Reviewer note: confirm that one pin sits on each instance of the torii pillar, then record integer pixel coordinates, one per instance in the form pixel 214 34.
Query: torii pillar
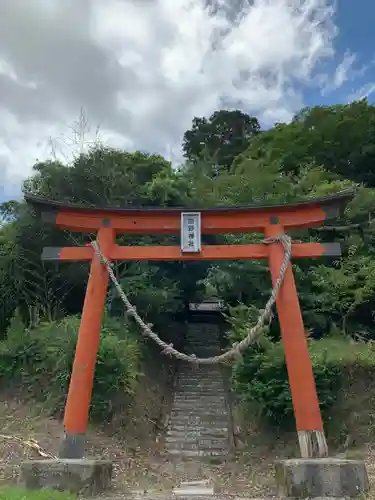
pixel 271 220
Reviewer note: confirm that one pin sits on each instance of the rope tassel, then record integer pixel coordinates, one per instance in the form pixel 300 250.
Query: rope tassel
pixel 235 353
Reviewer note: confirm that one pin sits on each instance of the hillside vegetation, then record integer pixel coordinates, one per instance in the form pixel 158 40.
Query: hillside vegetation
pixel 229 160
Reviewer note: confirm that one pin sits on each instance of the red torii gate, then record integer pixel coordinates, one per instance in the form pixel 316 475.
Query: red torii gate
pixel 272 220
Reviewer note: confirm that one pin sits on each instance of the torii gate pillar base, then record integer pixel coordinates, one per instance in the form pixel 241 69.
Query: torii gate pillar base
pixel 72 446
pixel 321 478
pixel 75 476
pixel 312 444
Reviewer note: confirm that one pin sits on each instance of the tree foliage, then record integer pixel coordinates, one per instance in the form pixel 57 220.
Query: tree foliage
pixel 340 138
pixel 220 138
pixel 229 161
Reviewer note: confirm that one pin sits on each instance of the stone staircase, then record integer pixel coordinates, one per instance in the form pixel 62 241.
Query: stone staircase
pixel 199 419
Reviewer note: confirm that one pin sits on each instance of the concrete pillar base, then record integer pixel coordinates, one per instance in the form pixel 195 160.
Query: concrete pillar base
pixel 321 477
pixel 73 475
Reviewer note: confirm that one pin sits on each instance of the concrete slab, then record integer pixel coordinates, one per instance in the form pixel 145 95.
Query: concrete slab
pixel 199 488
pixel 193 491
pixel 73 475
pixel 321 477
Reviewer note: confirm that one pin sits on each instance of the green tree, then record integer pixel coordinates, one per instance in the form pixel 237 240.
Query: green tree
pixel 220 138
pixel 339 138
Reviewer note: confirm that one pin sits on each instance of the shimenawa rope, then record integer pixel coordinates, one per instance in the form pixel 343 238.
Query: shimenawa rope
pixel 237 348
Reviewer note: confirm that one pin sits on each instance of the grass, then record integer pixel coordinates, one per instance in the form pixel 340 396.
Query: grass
pixel 342 350
pixel 9 493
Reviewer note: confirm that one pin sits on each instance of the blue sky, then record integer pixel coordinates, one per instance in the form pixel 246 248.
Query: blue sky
pixel 141 71
pixel 356 35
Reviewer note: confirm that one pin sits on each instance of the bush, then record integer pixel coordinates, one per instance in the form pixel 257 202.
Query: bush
pixel 41 360
pixel 261 380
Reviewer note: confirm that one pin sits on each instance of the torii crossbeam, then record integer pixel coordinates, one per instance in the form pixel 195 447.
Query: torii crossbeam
pixel 271 220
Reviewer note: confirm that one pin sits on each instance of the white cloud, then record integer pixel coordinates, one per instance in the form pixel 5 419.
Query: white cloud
pixel 363 92
pixel 346 71
pixel 144 69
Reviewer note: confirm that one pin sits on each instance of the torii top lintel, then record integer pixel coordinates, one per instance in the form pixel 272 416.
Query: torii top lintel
pixel 160 220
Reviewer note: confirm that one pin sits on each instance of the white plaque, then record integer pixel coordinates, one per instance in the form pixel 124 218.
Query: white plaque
pixel 190 232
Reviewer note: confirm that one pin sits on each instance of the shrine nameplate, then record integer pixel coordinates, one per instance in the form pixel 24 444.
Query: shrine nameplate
pixel 190 232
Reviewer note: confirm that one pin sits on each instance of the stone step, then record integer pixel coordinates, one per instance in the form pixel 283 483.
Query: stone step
pixel 203 389
pixel 197 413
pixel 197 428
pixel 200 384
pixel 205 399
pixel 202 394
pixel 200 390
pixel 183 396
pixel 188 489
pixel 209 398
pixel 198 408
pixel 210 380
pixel 214 382
pixel 200 489
pixel 199 403
pixel 200 421
pixel 193 433
pixel 194 382
pixel 198 453
pixel 193 447
pixel 200 443
pixel 217 379
pixel 198 418
pixel 201 374
pixel 201 440
pixel 189 427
